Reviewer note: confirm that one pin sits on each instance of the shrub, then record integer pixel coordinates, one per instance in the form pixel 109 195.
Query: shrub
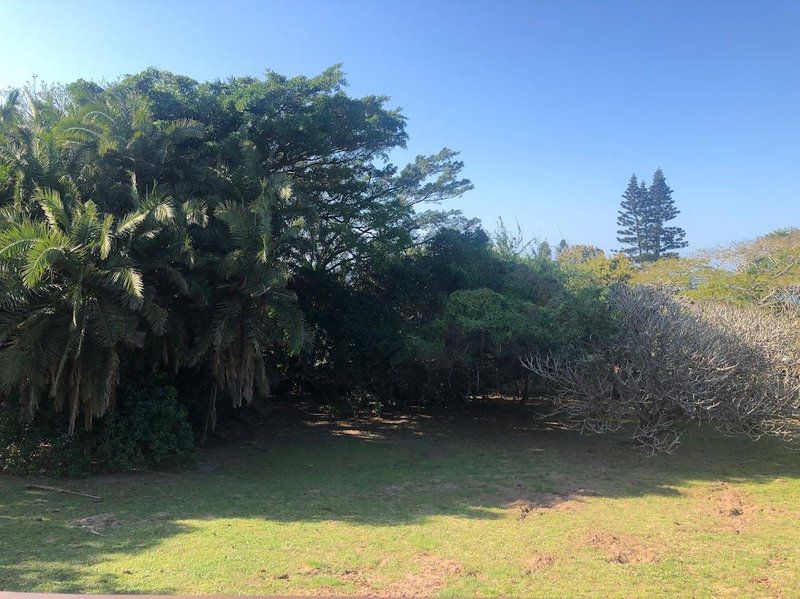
pixel 147 430
pixel 41 446
pixel 672 362
pixel 761 272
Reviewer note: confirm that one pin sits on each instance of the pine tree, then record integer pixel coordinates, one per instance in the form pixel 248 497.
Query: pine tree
pixel 633 221
pixel 662 207
pixel 642 218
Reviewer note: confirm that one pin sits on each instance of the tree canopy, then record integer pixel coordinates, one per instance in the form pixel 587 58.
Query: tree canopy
pixel 179 220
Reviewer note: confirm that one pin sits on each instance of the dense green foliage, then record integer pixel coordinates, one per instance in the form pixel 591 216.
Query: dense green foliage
pixel 489 307
pixel 246 237
pixel 446 321
pixel 149 429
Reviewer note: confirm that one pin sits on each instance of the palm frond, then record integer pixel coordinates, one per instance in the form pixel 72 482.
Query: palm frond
pixel 131 221
pixel 126 280
pixel 155 315
pixel 183 129
pixel 41 256
pixel 50 202
pixel 17 239
pixel 195 212
pixel 107 323
pixel 106 236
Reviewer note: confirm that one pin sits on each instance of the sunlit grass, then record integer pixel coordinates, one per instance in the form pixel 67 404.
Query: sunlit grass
pixel 483 506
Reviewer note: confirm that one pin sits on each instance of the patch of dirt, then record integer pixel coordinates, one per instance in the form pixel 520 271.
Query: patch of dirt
pixel 525 502
pixel 96 524
pixel 771 586
pixel 539 562
pixel 623 549
pixel 776 561
pixel 359 433
pixel 309 571
pixel 431 576
pixel 727 504
pixel 415 487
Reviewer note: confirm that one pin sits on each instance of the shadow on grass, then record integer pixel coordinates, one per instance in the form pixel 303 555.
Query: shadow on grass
pixel 376 472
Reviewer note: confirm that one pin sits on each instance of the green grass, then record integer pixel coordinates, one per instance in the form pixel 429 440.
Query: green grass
pixel 490 505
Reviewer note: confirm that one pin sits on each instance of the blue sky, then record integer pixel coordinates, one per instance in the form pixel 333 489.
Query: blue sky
pixel 552 104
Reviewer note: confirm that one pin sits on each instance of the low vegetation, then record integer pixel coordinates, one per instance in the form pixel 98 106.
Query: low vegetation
pixel 485 502
pixel 670 363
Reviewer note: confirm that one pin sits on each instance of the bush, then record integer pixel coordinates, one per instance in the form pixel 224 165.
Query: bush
pixel 762 272
pixel 41 446
pixel 672 362
pixel 147 430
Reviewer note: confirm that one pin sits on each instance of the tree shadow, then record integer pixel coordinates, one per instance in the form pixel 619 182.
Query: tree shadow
pixel 489 463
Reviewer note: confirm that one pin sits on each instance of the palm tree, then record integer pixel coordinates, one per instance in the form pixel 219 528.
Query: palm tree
pixel 156 261
pixel 29 154
pixel 70 298
pixel 249 310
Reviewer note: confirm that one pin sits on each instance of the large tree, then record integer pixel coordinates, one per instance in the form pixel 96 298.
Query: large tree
pixel 663 239
pixel 230 205
pixel 633 221
pixel 642 220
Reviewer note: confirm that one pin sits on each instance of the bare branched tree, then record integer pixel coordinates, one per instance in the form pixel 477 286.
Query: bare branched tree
pixel 672 362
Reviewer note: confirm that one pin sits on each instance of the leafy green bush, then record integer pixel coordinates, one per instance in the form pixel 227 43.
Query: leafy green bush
pixel 148 430
pixel 471 304
pixel 41 446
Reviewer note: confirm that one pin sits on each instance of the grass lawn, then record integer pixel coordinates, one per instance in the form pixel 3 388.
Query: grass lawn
pixel 489 505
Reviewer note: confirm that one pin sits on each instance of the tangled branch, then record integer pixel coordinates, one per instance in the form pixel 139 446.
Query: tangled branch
pixel 672 362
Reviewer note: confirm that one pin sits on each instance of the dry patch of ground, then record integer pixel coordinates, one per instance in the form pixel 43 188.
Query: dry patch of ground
pixel 728 506
pixel 427 575
pixel 728 502
pixel 430 575
pixel 539 562
pixel 771 587
pixel 523 501
pixel 623 549
pixel 358 432
pixel 96 524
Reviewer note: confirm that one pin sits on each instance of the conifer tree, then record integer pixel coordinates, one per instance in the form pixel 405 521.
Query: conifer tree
pixel 633 221
pixel 642 220
pixel 663 239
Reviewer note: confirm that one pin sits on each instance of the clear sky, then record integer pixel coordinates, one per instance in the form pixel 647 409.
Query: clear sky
pixel 553 104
